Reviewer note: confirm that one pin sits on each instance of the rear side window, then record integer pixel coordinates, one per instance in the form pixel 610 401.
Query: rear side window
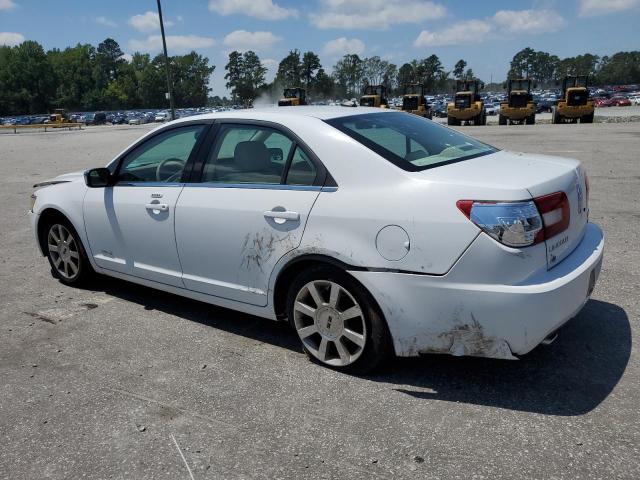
pixel 410 142
pixel 302 170
pixel 247 154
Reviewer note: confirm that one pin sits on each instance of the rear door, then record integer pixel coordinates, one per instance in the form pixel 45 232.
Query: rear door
pixel 248 207
pixel 130 225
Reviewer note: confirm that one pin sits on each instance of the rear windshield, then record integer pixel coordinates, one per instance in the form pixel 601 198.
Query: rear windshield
pixel 409 141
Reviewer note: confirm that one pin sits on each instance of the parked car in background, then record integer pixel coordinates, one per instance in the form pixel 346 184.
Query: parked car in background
pixel 492 108
pixel 369 230
pixel 161 117
pixel 620 101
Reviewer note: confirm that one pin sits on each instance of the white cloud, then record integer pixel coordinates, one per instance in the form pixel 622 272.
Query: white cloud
pixel 148 22
pixel 7 5
pixel 242 40
pixel 516 22
pixel 528 21
pixel 269 62
pixel 470 31
pixel 375 14
pixel 106 22
pixel 175 43
pixel 10 39
pixel 262 9
pixel 589 8
pixel 342 46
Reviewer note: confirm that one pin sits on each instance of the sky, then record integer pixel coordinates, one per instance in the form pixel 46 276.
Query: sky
pixel 485 33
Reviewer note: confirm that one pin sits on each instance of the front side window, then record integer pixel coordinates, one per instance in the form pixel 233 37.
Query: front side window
pixel 162 158
pixel 410 142
pixel 247 154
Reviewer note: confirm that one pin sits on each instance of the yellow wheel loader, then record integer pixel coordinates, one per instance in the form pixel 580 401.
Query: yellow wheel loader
pixel 467 106
pixel 59 115
pixel 293 97
pixel 575 103
pixel 374 96
pixel 519 107
pixel 414 101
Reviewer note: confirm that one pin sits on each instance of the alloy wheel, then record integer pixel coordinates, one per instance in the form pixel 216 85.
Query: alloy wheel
pixel 63 251
pixel 330 323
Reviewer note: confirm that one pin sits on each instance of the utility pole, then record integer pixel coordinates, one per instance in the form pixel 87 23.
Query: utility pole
pixel 166 63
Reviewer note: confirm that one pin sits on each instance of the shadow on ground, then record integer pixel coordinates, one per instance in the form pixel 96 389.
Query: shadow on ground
pixel 570 377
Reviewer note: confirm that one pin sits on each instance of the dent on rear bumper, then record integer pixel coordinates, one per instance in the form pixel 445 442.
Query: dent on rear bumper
pixel 446 314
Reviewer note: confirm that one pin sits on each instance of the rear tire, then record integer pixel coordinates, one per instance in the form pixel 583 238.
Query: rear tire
pixel 337 321
pixel 66 254
pixel 531 119
pixel 556 118
pixel 502 120
pixel 587 118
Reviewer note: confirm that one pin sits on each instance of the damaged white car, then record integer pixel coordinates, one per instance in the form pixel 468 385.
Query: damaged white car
pixel 372 232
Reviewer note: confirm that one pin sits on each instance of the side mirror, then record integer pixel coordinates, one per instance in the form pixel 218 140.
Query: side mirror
pixel 98 178
pixel 482 86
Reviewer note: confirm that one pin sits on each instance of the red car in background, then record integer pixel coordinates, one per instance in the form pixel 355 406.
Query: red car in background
pixel 619 101
pixel 615 101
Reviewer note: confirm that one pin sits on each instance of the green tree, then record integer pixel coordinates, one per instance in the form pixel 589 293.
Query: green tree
pixel 348 75
pixel 290 70
pixel 27 80
pixel 245 76
pixel 458 69
pixel 309 69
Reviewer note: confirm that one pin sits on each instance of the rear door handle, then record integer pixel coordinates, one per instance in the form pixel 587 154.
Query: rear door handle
pixel 163 207
pixel 281 217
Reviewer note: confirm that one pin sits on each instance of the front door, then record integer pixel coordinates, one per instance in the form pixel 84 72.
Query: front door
pixel 250 208
pixel 130 226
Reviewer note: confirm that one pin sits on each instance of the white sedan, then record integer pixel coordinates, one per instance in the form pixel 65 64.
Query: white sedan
pixel 373 232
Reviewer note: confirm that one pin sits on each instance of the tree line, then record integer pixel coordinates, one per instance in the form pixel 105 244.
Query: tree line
pixel 621 68
pixel 88 78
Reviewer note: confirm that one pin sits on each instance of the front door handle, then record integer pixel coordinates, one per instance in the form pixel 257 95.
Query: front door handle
pixel 162 207
pixel 282 216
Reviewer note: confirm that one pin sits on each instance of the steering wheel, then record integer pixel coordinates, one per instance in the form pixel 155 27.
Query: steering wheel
pixel 176 169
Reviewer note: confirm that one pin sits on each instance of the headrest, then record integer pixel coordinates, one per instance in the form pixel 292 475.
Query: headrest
pixel 252 156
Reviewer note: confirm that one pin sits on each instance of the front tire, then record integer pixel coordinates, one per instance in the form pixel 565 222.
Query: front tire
pixel 337 321
pixel 66 255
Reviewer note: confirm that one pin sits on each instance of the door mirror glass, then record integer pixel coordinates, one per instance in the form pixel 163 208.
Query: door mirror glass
pixel 97 178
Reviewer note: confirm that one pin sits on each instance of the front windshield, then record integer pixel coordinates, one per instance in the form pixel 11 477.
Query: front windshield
pixel 409 141
pixel 520 85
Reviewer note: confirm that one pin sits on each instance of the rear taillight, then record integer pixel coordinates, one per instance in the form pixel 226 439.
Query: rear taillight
pixel 515 224
pixel 519 224
pixel 554 209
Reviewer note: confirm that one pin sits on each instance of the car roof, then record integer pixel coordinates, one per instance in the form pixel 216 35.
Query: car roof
pixel 283 113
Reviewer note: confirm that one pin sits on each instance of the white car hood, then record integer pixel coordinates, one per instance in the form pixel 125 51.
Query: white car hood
pixel 64 178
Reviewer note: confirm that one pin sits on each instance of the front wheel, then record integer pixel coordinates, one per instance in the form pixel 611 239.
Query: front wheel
pixel 66 255
pixel 337 321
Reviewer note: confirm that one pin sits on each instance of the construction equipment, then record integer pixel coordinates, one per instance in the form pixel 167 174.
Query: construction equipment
pixel 293 97
pixel 414 101
pixel 467 106
pixel 374 96
pixel 519 107
pixel 59 115
pixel 575 103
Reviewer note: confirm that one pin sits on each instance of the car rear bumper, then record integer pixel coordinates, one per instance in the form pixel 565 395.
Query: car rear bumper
pixel 431 314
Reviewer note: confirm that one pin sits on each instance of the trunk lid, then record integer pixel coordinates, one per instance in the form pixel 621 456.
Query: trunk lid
pixel 510 176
